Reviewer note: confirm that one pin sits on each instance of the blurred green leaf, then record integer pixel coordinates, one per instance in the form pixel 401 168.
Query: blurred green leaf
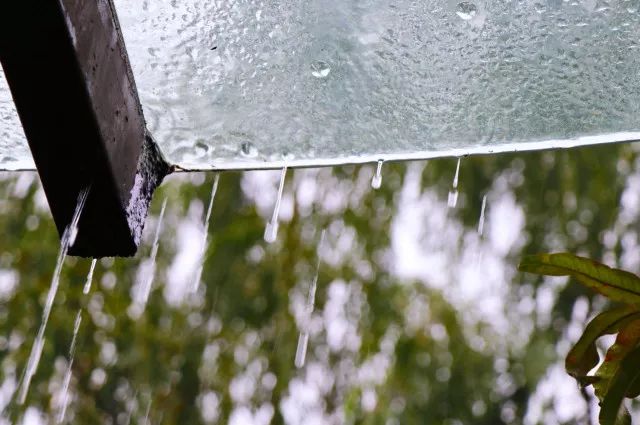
pixel 626 341
pixel 584 356
pixel 617 285
pixel 612 411
pixel 619 375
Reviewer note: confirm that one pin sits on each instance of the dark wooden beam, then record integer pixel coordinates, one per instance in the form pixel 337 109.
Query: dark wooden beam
pixel 70 77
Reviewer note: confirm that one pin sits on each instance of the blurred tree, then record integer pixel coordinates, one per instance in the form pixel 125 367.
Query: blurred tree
pixel 383 348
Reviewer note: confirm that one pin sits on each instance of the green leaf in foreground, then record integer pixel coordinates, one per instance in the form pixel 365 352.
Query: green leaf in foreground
pixel 627 373
pixel 584 356
pixel 619 375
pixel 617 285
pixel 626 342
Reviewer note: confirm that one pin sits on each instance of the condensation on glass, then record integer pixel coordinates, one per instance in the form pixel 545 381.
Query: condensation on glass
pixel 253 84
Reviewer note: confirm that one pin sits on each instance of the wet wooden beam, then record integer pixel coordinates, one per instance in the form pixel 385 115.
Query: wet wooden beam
pixel 70 77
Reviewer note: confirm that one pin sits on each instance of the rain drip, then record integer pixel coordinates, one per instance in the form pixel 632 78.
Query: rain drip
pixel 376 181
pixel 205 234
pixel 453 193
pixel 68 237
pixel 303 338
pixel 67 376
pixel 481 221
pixel 146 415
pixel 87 284
pixel 146 289
pixel 271 230
pixel 131 407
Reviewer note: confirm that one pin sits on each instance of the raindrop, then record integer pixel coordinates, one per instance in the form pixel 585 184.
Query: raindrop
pixel 67 376
pixel 376 181
pixel 38 343
pixel 87 284
pixel 146 289
pixel 205 232
pixel 453 193
pixel 320 69
pixel 481 221
pixel 303 338
pixel 466 10
pixel 271 230
pixel 201 149
pixel 248 150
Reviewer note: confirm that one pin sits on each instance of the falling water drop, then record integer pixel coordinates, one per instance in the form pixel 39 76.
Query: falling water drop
pixel 146 289
pixel 453 193
pixel 481 221
pixel 455 178
pixel 87 284
pixel 303 338
pixel 67 376
pixel 466 10
pixel 376 181
pixel 320 69
pixel 271 230
pixel 146 415
pixel 205 232
pixel 38 343
pixel 132 405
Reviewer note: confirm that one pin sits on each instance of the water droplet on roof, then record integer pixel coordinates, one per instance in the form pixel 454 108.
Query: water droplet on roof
pixel 320 69
pixel 466 10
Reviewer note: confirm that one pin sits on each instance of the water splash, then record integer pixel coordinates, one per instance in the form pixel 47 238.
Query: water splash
pixel 481 221
pixel 453 193
pixel 303 338
pixel 205 234
pixel 87 284
pixel 271 230
pixel 68 237
pixel 146 289
pixel 67 375
pixel 376 181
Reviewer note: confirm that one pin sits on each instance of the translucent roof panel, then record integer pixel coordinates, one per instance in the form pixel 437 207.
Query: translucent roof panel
pixel 252 83
pixel 14 151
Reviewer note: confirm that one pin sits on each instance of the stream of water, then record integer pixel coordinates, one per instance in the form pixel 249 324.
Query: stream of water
pixel 67 240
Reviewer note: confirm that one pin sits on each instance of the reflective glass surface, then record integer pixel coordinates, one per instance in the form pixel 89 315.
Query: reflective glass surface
pixel 252 83
pixel 14 151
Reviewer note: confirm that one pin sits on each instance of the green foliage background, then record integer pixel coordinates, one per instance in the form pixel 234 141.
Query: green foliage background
pixel 241 321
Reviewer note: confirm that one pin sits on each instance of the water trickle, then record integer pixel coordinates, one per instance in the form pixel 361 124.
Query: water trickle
pixel 376 181
pixel 146 289
pixel 132 405
pixel 481 221
pixel 271 230
pixel 146 415
pixel 67 375
pixel 320 69
pixel 466 10
pixel 65 242
pixel 303 338
pixel 453 193
pixel 205 233
pixel 87 284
